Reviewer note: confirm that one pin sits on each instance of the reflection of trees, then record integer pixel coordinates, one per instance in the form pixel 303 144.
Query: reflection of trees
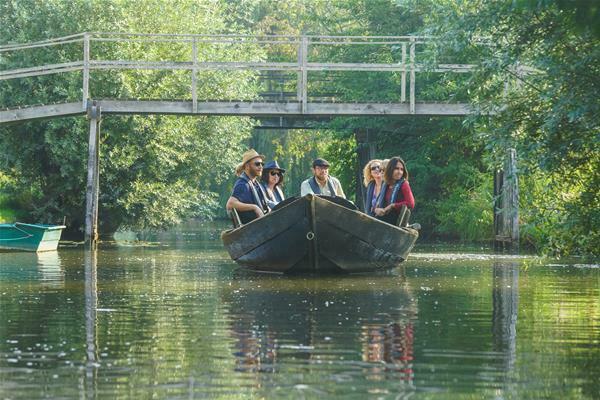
pixel 279 323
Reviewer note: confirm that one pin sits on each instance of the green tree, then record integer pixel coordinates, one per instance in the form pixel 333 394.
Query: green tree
pixel 155 171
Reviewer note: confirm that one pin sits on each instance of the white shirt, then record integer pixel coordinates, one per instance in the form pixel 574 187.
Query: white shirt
pixel 306 189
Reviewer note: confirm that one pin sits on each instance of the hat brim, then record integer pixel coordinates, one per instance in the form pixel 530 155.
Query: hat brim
pixel 275 169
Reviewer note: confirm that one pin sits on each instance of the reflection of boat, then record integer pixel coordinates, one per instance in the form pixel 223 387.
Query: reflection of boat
pixel 30 237
pixel 277 321
pixel 318 234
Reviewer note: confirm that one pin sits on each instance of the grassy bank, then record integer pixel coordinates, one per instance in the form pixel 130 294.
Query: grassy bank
pixel 7 211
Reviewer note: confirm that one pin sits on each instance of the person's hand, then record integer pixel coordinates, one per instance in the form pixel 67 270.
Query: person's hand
pixel 257 210
pixel 380 212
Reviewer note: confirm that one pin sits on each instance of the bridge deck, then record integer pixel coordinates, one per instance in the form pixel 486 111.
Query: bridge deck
pixel 241 108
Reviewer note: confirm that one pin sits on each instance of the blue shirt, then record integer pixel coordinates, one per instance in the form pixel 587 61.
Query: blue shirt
pixel 242 191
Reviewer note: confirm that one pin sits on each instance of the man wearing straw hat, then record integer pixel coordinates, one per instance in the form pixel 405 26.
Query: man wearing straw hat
pixel 248 197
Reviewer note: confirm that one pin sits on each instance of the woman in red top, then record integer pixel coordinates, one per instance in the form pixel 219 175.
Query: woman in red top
pixel 395 193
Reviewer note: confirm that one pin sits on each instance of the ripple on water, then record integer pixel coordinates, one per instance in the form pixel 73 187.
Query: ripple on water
pixel 181 321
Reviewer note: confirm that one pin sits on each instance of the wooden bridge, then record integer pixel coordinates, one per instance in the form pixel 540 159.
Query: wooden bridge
pixel 304 59
pixel 401 50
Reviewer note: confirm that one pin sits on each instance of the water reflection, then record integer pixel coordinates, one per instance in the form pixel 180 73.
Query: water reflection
pixel 91 306
pixel 390 345
pixel 290 324
pixel 505 294
pixel 44 267
pixel 170 322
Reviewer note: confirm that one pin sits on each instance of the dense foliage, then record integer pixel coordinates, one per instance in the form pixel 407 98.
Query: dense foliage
pixel 536 89
pixel 538 77
pixel 155 171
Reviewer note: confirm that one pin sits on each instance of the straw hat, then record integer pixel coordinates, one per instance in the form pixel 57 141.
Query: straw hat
pixel 248 156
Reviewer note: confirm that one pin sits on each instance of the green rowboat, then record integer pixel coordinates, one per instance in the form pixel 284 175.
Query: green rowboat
pixel 29 237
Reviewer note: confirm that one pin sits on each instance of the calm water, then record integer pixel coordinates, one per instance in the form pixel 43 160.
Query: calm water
pixel 179 320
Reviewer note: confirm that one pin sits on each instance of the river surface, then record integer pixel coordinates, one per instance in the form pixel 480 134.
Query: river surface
pixel 177 319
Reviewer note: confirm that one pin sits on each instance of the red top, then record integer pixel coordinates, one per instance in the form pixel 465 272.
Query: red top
pixel 406 199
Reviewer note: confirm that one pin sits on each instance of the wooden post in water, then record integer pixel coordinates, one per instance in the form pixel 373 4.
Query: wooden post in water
pixel 92 189
pixel 511 198
pixel 365 151
pixel 506 204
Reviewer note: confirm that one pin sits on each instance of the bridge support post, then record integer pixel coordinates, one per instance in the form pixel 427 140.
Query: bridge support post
pixel 506 204
pixel 365 151
pixel 302 86
pixel 412 76
pixel 93 175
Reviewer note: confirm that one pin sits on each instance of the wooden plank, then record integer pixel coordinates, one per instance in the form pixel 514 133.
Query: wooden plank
pixel 86 69
pixel 299 83
pixel 275 66
pixel 41 70
pixel 37 112
pixel 186 65
pixel 313 239
pixel 249 108
pixel 304 74
pixel 47 42
pixel 259 108
pixel 195 76
pixel 5 49
pixel 265 229
pixel 403 83
pixel 412 77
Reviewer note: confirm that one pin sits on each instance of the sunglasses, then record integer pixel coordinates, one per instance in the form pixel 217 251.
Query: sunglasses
pixel 259 164
pixel 376 168
pixel 273 173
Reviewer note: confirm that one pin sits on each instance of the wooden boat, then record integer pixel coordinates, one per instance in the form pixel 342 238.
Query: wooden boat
pixel 29 237
pixel 318 234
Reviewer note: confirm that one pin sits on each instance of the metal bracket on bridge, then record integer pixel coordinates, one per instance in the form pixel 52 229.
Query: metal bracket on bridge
pixel 93 109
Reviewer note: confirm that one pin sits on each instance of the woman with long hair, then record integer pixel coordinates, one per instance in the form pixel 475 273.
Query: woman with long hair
pixel 272 180
pixel 395 192
pixel 372 179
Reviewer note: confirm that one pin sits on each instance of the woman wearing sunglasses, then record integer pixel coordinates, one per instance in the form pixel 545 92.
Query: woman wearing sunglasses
pixel 272 180
pixel 372 178
pixel 395 192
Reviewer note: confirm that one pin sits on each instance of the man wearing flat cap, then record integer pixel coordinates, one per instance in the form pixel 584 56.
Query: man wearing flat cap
pixel 321 183
pixel 248 196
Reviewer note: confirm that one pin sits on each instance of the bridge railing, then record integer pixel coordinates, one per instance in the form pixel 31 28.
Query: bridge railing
pixel 297 55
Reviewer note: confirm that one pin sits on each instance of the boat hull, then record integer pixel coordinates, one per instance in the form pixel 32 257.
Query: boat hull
pixel 30 237
pixel 313 234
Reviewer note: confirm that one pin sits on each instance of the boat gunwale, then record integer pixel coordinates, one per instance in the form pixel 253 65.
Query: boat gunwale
pixel 45 227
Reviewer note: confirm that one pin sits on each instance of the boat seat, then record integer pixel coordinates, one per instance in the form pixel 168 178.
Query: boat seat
pixel 235 218
pixel 403 217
